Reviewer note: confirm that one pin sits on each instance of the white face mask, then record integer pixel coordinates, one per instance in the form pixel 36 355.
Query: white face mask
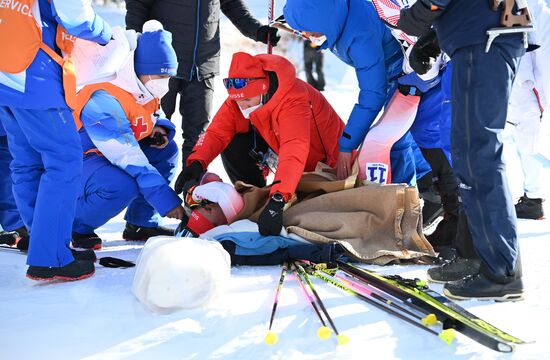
pixel 318 41
pixel 248 111
pixel 157 87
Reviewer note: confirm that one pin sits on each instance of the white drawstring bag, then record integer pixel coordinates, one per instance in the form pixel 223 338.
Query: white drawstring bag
pixel 180 273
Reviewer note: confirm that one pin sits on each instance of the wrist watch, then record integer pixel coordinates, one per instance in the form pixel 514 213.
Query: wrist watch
pixel 278 197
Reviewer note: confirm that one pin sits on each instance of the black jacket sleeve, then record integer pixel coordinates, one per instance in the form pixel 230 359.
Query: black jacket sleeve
pixel 241 17
pixel 137 13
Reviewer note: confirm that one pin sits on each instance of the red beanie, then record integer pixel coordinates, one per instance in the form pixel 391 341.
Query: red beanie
pixel 244 65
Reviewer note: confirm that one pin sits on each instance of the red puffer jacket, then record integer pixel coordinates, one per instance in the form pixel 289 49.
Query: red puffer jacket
pixel 297 123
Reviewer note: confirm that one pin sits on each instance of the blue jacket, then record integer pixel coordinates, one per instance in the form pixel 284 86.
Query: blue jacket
pixel 465 22
pixel 357 36
pixel 41 86
pixel 106 128
pixel 2 131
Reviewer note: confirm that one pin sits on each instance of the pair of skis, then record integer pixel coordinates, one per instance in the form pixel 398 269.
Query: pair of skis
pixel 313 298
pixel 452 316
pixel 408 300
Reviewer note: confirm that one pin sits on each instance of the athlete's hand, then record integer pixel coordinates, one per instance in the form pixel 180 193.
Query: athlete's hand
pixel 176 213
pixel 343 165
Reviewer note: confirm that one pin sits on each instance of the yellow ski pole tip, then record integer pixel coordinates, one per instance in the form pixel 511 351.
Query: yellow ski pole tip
pixel 429 320
pixel 343 339
pixel 271 338
pixel 324 332
pixel 448 335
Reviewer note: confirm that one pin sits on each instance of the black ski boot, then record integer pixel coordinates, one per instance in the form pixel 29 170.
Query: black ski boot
pixel 18 238
pixel 527 208
pixel 76 270
pixel 481 287
pixel 141 233
pixel 84 255
pixel 8 238
pixel 456 269
pixel 86 241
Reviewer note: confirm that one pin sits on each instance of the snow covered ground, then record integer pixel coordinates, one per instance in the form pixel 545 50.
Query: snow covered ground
pixel 99 318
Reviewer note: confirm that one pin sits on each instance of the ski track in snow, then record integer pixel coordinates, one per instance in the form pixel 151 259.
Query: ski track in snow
pixel 99 318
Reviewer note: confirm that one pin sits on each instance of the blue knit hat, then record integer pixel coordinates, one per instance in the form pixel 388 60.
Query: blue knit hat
pixel 154 54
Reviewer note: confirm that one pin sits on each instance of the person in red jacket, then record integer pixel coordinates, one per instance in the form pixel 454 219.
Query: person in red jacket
pixel 271 121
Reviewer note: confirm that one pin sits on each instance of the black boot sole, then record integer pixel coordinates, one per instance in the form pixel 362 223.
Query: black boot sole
pixel 508 297
pixel 59 277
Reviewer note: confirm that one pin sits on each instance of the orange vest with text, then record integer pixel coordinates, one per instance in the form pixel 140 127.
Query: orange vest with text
pixel 139 116
pixel 21 39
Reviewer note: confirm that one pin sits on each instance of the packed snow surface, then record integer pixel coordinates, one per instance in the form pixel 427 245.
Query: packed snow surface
pixel 99 318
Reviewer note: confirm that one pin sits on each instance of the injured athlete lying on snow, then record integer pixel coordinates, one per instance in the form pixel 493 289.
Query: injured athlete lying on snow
pixel 370 223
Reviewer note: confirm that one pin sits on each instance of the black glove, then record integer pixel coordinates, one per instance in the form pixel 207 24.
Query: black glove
pixel 418 19
pixel 271 218
pixel 190 176
pixel 263 32
pixel 425 49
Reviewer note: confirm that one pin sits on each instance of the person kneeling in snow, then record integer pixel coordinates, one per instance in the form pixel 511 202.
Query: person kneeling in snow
pixel 129 154
pixel 270 121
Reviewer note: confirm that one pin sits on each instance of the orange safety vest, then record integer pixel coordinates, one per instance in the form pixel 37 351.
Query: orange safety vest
pixel 21 38
pixel 139 116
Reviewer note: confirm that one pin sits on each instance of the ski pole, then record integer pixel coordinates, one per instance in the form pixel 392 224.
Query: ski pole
pixel 324 332
pixel 270 9
pixel 342 339
pixel 271 338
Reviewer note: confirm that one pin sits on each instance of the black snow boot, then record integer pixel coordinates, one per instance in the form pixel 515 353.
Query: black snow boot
pixel 141 233
pixel 86 241
pixel 456 269
pixel 481 287
pixel 527 208
pixel 84 255
pixel 18 238
pixel 76 270
pixel 8 238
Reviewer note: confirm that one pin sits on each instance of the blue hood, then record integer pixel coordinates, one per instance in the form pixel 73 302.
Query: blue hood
pixel 323 16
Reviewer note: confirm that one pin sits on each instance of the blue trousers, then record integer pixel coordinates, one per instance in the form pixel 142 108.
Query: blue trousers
pixel 402 161
pixel 481 85
pixel 9 215
pixel 106 190
pixel 46 171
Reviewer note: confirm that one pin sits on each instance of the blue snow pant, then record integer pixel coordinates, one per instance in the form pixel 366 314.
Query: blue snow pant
pixel 107 189
pixel 9 215
pixel 46 171
pixel 481 85
pixel 402 161
pixel 432 125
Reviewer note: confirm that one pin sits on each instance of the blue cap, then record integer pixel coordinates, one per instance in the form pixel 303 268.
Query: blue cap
pixel 154 53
